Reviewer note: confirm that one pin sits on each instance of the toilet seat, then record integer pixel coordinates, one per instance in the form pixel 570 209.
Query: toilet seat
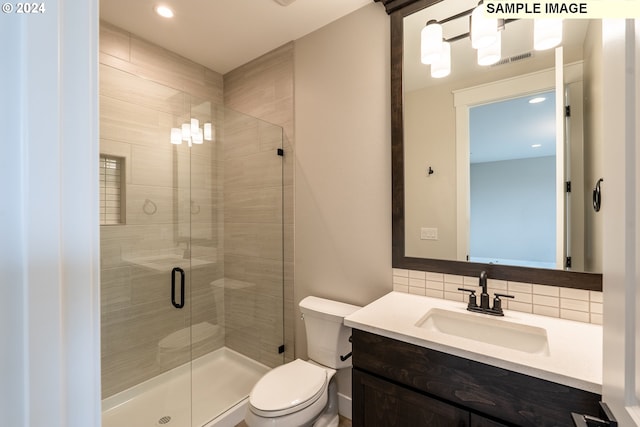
pixel 288 388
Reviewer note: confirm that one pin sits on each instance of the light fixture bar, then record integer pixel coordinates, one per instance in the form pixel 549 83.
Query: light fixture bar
pixel 501 24
pixel 456 16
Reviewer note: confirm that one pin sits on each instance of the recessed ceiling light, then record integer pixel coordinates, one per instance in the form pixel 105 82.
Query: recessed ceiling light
pixel 536 145
pixel 164 11
pixel 537 100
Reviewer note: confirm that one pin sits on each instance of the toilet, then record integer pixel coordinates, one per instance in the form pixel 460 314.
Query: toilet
pixel 304 393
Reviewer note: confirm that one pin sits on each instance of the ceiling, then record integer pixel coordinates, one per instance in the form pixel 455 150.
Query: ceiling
pixel 513 129
pixel 224 34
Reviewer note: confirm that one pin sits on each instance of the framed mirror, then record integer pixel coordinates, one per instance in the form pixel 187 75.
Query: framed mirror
pixel 444 178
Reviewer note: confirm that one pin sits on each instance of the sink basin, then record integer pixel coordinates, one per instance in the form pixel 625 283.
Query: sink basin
pixel 481 328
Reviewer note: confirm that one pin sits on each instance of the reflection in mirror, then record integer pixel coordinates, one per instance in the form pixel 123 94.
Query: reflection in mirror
pixel 449 215
pixel 512 203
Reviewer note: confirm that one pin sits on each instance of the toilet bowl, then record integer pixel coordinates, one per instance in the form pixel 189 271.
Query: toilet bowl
pixel 304 393
pixel 294 394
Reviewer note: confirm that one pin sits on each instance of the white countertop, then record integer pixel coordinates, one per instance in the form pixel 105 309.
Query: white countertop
pixel 575 348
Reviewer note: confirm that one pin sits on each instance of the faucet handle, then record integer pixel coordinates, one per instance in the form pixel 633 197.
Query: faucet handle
pixel 497 302
pixel 472 297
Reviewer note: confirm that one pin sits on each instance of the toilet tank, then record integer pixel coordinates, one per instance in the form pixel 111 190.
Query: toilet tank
pixel 327 337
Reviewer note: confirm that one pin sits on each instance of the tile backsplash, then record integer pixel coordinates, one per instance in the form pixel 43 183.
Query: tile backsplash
pixel 553 301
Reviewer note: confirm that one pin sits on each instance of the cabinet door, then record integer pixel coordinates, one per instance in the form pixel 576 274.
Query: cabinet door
pixel 379 403
pixel 480 421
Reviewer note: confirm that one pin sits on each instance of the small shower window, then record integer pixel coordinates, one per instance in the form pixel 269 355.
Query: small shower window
pixel 111 190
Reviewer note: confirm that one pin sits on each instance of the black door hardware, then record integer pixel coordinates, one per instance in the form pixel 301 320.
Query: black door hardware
pixel 175 303
pixel 597 196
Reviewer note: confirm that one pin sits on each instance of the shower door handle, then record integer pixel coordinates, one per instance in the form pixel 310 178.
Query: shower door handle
pixel 175 303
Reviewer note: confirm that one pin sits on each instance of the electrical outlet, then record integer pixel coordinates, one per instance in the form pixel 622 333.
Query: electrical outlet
pixel 428 233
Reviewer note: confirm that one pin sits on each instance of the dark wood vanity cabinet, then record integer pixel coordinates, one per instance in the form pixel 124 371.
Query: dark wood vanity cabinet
pixel 400 384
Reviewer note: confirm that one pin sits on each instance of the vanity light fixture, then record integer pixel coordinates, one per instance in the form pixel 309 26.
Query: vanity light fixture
pixel 431 42
pixel 486 37
pixel 484 31
pixel 164 11
pixel 547 33
pixel 192 133
pixel 442 67
pixel 491 54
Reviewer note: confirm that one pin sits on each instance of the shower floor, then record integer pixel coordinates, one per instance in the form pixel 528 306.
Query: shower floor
pixel 190 395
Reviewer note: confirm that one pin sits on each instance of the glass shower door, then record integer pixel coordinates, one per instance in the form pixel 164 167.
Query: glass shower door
pixel 145 254
pixel 193 264
pixel 236 226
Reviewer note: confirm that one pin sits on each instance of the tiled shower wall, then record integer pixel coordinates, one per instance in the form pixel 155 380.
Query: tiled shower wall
pixel 253 242
pixel 144 91
pixel 263 88
pixel 565 303
pixel 243 254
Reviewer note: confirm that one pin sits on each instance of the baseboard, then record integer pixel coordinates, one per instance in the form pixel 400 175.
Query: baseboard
pixel 344 405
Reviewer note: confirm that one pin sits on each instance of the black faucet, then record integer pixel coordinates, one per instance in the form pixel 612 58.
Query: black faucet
pixel 496 310
pixel 484 296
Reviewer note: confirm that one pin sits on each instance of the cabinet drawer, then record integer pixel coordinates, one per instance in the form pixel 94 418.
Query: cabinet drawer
pixel 501 394
pixel 379 403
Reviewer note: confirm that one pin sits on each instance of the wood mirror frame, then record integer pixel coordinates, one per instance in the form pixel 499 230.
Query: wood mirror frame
pixel 398 10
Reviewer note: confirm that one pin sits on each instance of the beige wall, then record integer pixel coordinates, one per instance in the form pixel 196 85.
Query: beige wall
pixel 343 162
pixel 430 121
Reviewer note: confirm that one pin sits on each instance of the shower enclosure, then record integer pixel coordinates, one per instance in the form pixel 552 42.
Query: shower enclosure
pixel 191 253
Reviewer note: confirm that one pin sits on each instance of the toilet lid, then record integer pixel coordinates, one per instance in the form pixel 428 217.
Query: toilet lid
pixel 289 387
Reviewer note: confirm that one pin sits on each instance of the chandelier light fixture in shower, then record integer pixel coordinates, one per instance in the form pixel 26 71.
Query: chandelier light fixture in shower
pixel 192 133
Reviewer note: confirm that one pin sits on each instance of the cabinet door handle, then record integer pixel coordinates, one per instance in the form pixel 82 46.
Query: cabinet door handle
pixel 175 303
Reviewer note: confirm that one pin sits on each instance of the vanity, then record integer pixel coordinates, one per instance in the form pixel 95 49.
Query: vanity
pixel 420 361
